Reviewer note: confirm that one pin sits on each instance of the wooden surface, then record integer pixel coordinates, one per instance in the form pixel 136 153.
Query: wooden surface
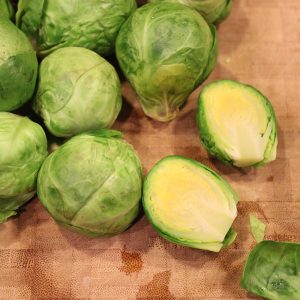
pixel 259 44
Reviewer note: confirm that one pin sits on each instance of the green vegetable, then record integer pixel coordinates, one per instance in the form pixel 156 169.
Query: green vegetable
pixel 23 148
pixel 273 271
pixel 237 124
pixel 189 204
pixel 6 9
pixel 166 50
pixel 92 24
pixel 92 183
pixel 214 11
pixel 258 228
pixel 18 67
pixel 77 91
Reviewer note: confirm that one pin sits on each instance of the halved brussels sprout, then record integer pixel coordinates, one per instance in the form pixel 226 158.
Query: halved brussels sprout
pixel 18 67
pixel 214 11
pixel 92 24
pixel 237 124
pixel 6 9
pixel 165 50
pixel 92 183
pixel 189 204
pixel 78 90
pixel 23 148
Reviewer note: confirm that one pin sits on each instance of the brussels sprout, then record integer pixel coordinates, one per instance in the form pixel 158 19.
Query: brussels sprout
pixel 6 9
pixel 92 24
pixel 189 204
pixel 214 11
pixel 272 271
pixel 18 67
pixel 23 148
pixel 165 51
pixel 92 183
pixel 237 124
pixel 77 90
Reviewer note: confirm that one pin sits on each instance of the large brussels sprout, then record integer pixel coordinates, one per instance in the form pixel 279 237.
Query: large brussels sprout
pixel 23 148
pixel 92 183
pixel 92 24
pixel 165 51
pixel 77 90
pixel 189 204
pixel 6 9
pixel 18 67
pixel 214 11
pixel 237 124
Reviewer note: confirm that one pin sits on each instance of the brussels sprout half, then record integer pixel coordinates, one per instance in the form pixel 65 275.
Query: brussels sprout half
pixel 165 50
pixel 78 90
pixel 92 183
pixel 18 67
pixel 237 124
pixel 23 148
pixel 6 9
pixel 189 204
pixel 214 11
pixel 92 24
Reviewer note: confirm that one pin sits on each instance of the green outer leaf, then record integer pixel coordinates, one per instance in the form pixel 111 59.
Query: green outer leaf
pixel 257 228
pixel 55 24
pixel 6 214
pixel 92 183
pixel 212 56
pixel 23 148
pixel 68 76
pixel 211 246
pixel 6 9
pixel 210 142
pixel 165 51
pixel 29 17
pixel 272 271
pixel 214 11
pixel 225 13
pixel 229 238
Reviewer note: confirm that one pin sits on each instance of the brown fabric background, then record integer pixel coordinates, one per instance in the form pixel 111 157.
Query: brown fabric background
pixel 259 44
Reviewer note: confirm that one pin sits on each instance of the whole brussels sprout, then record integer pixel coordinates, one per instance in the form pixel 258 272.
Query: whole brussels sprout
pixel 165 50
pixel 18 67
pixel 214 11
pixel 77 91
pixel 189 204
pixel 237 124
pixel 6 9
pixel 92 183
pixel 92 24
pixel 23 148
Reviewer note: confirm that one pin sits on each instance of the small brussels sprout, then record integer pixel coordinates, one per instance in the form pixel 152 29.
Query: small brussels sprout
pixel 165 50
pixel 214 11
pixel 18 67
pixel 77 91
pixel 189 204
pixel 237 124
pixel 92 24
pixel 23 148
pixel 6 9
pixel 92 183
